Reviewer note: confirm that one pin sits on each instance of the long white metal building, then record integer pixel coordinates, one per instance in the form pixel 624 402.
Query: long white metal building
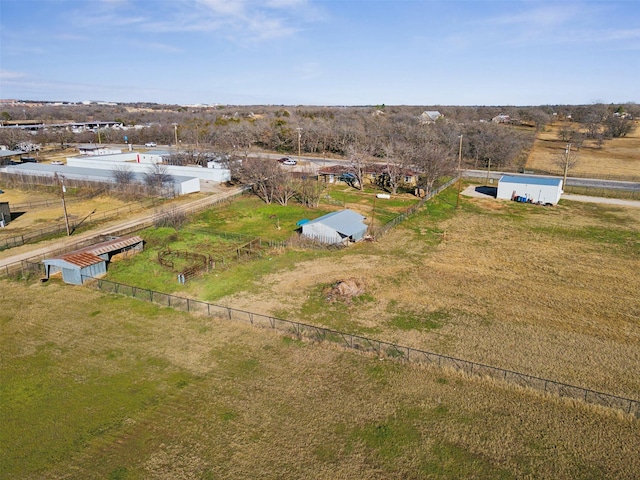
pixel 182 184
pixel 544 190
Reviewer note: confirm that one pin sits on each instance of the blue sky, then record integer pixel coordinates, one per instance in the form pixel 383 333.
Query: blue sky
pixel 341 52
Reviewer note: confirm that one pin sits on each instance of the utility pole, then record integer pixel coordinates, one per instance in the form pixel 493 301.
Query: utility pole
pixel 175 131
pixel 488 171
pixel 64 205
pixel 98 130
pixel 299 129
pixel 567 154
pixel 373 216
pixel 459 172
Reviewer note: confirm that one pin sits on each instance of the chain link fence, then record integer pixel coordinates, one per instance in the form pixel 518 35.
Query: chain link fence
pixel 380 348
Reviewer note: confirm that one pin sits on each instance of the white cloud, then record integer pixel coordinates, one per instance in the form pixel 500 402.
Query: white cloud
pixel 540 17
pixel 9 75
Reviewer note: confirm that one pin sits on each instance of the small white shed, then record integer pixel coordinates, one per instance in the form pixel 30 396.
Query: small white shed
pixel 544 190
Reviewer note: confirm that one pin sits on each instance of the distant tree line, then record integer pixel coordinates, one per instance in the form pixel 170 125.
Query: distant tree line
pixel 398 137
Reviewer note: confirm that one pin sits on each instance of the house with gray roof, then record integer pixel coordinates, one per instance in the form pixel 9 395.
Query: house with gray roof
pixel 430 116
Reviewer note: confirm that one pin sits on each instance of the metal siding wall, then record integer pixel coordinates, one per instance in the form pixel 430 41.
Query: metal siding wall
pixel 321 232
pixel 72 276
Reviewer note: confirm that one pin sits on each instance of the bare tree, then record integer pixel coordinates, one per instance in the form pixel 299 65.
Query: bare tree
pixel 616 126
pixel 284 187
pixel 567 133
pixel 240 138
pixel 358 161
pixel 123 176
pixel 494 145
pixel 262 175
pixel 434 161
pixel 309 191
pixel 157 178
pixel 400 154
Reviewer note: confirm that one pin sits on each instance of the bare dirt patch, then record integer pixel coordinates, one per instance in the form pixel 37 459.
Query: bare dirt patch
pixel 345 290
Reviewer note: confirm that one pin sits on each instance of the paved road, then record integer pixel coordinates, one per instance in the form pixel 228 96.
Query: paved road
pixel 571 181
pixel 37 252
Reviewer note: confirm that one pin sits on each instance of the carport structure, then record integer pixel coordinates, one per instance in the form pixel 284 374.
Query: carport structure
pixel 91 261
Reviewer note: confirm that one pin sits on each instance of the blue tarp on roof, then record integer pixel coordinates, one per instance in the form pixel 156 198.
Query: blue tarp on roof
pixel 552 182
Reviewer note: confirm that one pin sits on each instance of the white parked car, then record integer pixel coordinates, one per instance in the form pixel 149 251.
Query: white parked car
pixel 150 144
pixel 289 161
pixel 57 162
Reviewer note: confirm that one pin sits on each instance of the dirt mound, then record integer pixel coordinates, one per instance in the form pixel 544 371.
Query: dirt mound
pixel 345 290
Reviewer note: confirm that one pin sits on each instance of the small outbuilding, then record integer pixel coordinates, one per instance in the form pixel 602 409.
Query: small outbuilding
pixel 336 227
pixel 89 262
pixel 542 190
pixel 5 214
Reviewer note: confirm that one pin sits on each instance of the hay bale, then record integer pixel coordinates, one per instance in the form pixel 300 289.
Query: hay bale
pixel 346 290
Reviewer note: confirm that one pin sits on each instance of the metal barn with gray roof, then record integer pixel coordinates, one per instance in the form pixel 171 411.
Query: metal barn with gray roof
pixel 336 227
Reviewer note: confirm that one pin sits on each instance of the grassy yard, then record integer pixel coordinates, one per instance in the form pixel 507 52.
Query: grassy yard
pixel 99 386
pixel 551 292
pixel 241 221
pixel 114 388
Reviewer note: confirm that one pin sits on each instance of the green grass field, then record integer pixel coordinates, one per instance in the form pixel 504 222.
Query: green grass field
pixel 110 387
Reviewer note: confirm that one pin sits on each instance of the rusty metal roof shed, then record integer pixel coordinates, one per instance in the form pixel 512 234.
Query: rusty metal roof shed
pixel 89 261
pixel 81 259
pixel 111 245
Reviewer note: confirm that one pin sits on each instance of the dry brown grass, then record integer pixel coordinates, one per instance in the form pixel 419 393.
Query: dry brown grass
pixel 39 217
pixel 619 157
pixel 512 286
pixel 258 405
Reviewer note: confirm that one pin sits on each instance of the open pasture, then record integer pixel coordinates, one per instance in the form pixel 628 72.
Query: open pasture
pixel 110 387
pixel 618 158
pixel 547 291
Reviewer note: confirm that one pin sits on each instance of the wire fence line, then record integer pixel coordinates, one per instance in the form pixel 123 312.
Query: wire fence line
pixel 60 228
pixel 29 265
pixel 381 348
pixel 351 341
pixel 380 231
